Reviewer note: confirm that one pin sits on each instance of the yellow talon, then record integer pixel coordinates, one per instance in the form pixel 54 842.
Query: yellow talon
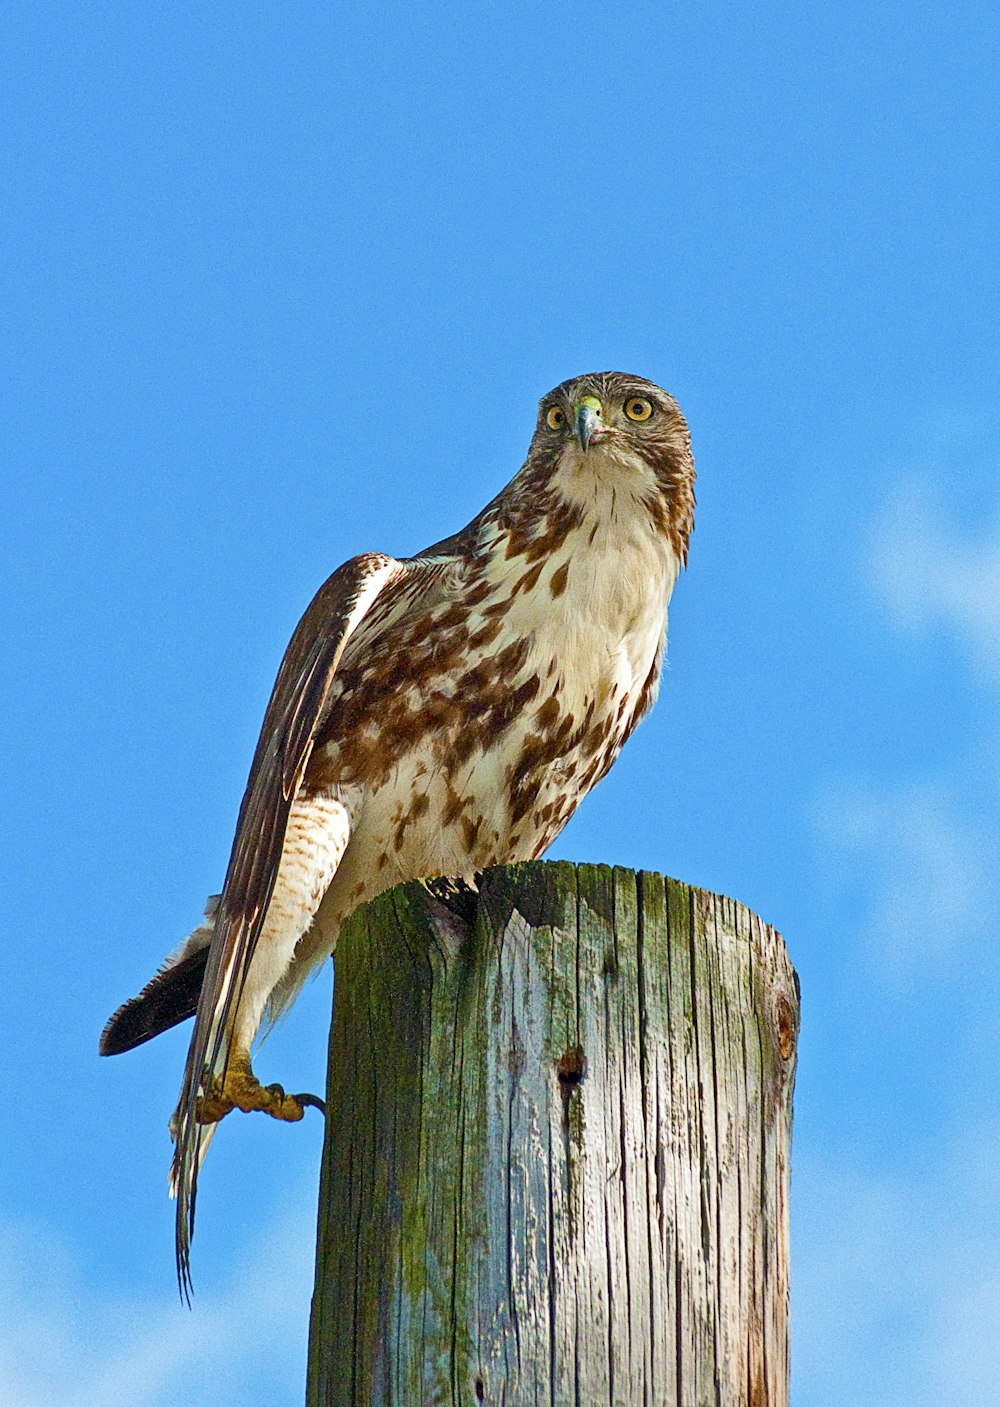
pixel 279 1104
pixel 240 1089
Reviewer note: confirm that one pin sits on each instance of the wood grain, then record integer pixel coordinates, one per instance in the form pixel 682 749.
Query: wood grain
pixel 557 1149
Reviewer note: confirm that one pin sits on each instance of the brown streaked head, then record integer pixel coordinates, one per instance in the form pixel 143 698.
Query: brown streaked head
pixel 616 421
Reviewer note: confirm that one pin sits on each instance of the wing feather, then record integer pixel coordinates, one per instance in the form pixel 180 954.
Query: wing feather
pixel 282 754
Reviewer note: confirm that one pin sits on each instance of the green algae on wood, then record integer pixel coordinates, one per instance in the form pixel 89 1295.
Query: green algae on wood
pixel 557 1148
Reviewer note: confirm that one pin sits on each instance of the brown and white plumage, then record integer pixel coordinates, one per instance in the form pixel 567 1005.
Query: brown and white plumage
pixel 434 715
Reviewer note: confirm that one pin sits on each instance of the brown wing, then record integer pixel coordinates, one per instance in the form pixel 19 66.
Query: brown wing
pixel 283 750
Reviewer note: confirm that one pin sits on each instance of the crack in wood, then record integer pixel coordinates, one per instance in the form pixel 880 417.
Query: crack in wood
pixel 556 1159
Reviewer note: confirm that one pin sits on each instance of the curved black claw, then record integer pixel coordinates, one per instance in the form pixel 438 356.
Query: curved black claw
pixel 311 1101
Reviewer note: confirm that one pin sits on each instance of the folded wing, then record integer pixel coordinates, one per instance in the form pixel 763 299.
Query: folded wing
pixel 283 750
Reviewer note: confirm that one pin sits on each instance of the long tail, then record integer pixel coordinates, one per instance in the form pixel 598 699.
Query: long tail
pixel 168 998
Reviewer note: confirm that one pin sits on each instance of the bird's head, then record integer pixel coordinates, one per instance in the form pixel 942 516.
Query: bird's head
pixel 624 417
pixel 610 429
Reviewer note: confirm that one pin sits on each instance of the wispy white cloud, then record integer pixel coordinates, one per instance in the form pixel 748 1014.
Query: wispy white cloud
pixel 924 851
pixel 62 1344
pixel 928 874
pixel 931 575
pixel 896 1289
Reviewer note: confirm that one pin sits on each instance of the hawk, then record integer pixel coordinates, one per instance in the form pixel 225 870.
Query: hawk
pixel 431 716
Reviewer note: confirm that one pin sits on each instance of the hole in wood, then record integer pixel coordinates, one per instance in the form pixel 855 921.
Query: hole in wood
pixel 480 1390
pixel 571 1068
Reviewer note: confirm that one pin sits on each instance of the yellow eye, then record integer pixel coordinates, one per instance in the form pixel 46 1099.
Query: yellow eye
pixel 638 409
pixel 554 418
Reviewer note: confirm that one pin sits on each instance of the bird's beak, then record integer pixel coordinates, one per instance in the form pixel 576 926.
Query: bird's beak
pixel 588 419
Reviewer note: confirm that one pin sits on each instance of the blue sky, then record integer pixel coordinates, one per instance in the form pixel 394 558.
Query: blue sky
pixel 284 283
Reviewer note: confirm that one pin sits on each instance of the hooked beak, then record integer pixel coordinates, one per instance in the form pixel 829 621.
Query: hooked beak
pixel 588 421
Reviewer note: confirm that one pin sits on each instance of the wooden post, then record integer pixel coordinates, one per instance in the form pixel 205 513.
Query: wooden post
pixel 557 1148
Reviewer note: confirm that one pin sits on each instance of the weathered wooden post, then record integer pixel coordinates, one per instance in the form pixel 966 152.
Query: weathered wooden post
pixel 556 1161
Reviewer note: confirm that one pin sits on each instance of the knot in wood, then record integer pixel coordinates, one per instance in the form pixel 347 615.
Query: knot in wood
pixel 571 1068
pixel 785 1021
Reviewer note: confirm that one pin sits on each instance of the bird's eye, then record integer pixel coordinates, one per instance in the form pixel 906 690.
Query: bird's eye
pixel 555 419
pixel 638 409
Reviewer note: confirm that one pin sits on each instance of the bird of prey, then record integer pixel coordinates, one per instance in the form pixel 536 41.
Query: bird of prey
pixel 432 715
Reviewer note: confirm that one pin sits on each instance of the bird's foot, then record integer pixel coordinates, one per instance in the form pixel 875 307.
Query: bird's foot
pixel 240 1089
pixel 213 1105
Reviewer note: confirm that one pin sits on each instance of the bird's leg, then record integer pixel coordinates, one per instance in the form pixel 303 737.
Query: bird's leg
pixel 239 1088
pixel 211 1106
